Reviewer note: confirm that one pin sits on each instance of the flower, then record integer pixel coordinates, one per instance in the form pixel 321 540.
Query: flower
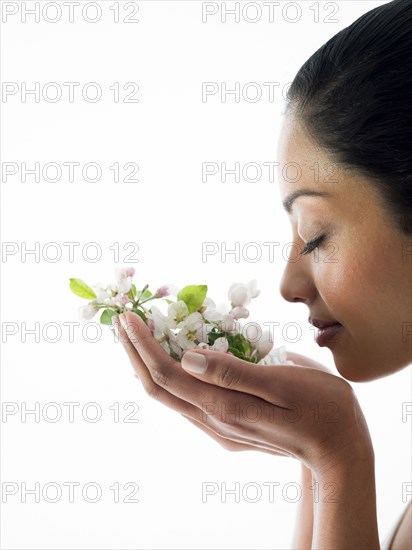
pixel 121 300
pixel 277 356
pixel 210 312
pixel 87 312
pixel 177 313
pixel 228 324
pixel 241 295
pixel 203 345
pixel 167 290
pixel 221 344
pixel 162 291
pixel 239 312
pixel 265 343
pixel 158 323
pixel 103 292
pixel 192 328
pixel 124 278
pixel 192 320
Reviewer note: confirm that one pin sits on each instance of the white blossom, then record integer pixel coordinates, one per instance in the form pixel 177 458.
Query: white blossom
pixel 193 330
pixel 241 295
pixel 265 343
pixel 87 312
pixel 177 313
pixel 239 312
pixel 277 356
pixel 124 276
pixel 221 344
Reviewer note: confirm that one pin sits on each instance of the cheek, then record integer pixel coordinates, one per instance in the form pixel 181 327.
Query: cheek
pixel 356 284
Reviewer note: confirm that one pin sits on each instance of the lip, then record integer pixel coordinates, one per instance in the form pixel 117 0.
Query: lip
pixel 318 323
pixel 327 334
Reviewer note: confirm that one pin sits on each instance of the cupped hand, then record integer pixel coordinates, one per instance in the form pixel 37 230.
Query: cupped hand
pixel 299 411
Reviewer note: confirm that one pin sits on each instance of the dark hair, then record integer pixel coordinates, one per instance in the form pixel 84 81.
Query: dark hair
pixel 354 98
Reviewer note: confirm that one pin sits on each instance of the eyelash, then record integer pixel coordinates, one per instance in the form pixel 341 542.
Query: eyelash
pixel 310 246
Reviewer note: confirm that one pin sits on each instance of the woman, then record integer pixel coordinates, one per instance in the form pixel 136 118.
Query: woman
pixel 348 125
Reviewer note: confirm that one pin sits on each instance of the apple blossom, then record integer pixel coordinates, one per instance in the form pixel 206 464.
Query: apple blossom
pixel 87 312
pixel 264 343
pixel 241 295
pixel 124 278
pixel 162 292
pixel 191 321
pixel 239 312
pixel 192 328
pixel 221 344
pixel 177 313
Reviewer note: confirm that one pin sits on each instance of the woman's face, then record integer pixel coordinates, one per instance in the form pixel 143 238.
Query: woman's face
pixel 361 274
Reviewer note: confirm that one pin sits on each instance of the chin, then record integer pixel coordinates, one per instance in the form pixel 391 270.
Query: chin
pixel 368 368
pixel 357 370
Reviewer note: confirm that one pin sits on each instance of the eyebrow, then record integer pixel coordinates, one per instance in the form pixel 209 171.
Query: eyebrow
pixel 288 202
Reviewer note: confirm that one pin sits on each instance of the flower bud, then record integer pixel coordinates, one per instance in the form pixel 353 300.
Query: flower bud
pixel 87 312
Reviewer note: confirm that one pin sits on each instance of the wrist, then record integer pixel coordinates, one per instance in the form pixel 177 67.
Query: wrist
pixel 345 506
pixel 351 457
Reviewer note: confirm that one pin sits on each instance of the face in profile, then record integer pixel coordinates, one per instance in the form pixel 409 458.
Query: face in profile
pixel 360 274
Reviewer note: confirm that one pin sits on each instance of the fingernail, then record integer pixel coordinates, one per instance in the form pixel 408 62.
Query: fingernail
pixel 115 323
pixel 123 321
pixel 194 362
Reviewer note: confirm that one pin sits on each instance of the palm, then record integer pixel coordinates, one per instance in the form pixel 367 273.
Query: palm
pixel 235 446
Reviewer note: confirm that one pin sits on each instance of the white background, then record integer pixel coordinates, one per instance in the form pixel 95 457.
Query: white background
pixel 169 213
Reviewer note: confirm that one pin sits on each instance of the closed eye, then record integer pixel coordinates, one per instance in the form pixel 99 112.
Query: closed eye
pixel 311 245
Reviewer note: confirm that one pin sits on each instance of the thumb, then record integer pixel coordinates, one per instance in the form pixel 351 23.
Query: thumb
pixel 273 383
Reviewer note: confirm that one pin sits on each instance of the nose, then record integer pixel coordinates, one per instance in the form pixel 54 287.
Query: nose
pixel 297 284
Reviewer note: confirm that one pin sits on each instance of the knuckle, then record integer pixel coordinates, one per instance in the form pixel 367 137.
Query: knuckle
pixel 159 377
pixel 229 445
pixel 232 419
pixel 220 431
pixel 228 376
pixel 153 390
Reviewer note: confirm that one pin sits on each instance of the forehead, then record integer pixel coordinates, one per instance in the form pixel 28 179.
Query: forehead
pixel 295 148
pixel 305 165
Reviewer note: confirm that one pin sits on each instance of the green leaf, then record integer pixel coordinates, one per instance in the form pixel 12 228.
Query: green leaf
pixel 240 355
pixel 240 342
pixel 106 316
pixel 79 287
pixel 236 352
pixel 133 291
pixel 213 336
pixel 146 294
pixel 193 296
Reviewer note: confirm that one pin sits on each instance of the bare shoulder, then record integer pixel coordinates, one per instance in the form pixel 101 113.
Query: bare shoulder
pixel 402 539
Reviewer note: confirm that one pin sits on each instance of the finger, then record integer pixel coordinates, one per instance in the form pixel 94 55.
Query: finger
pixel 227 412
pixel 227 418
pixel 164 370
pixel 276 384
pixel 150 386
pixel 232 445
